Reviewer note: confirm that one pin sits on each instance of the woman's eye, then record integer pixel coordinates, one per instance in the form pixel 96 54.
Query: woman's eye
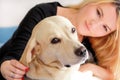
pixel 98 13
pixel 105 28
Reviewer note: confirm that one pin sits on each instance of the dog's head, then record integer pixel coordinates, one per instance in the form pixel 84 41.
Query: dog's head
pixel 54 41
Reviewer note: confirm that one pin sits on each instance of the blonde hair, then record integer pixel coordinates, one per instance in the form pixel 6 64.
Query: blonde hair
pixel 116 67
pixel 107 48
pixel 85 2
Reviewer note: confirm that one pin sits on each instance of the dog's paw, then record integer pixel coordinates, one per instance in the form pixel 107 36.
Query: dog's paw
pixel 88 75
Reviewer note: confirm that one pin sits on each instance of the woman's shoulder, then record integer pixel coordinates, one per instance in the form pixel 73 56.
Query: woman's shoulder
pixel 48 6
pixel 46 9
pixel 39 12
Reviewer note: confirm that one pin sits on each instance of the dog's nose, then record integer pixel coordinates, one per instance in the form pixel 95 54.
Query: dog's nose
pixel 80 51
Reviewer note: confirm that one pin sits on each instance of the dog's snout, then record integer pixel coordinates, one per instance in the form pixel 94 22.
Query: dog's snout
pixel 80 51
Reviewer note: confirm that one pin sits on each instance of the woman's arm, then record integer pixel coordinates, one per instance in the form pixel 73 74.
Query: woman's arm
pixel 98 71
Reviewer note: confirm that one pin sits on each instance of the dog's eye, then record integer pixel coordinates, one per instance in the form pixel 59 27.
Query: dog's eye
pixel 55 40
pixel 73 30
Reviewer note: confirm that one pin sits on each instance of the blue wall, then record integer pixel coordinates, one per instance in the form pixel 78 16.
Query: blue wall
pixel 6 33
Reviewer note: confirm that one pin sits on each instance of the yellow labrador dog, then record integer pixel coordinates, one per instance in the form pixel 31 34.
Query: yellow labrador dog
pixel 53 52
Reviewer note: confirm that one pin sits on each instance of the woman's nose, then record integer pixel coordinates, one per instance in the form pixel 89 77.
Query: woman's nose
pixel 95 23
pixel 92 22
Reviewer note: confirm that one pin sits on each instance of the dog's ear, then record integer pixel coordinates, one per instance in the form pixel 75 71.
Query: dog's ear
pixel 32 48
pixel 35 50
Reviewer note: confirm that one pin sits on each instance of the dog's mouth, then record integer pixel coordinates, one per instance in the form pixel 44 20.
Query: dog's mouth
pixel 82 61
pixel 67 65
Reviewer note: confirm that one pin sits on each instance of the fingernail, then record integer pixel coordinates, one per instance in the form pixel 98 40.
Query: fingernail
pixel 22 78
pixel 26 70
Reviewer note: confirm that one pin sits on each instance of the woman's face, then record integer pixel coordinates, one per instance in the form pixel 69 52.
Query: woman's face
pixel 96 19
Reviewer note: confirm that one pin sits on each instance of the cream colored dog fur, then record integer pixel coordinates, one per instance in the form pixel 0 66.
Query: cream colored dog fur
pixel 54 52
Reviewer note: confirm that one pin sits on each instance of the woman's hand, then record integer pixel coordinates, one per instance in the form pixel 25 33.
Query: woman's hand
pixel 98 71
pixel 13 70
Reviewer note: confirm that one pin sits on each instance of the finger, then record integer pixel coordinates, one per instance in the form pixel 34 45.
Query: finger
pixel 9 78
pixel 19 79
pixel 15 76
pixel 18 65
pixel 12 78
pixel 17 71
pixel 7 71
pixel 11 74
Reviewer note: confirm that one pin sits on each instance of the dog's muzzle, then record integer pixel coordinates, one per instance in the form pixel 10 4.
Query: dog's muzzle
pixel 81 53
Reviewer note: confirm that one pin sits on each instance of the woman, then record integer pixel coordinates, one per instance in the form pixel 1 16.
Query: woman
pixel 105 49
pixel 92 18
